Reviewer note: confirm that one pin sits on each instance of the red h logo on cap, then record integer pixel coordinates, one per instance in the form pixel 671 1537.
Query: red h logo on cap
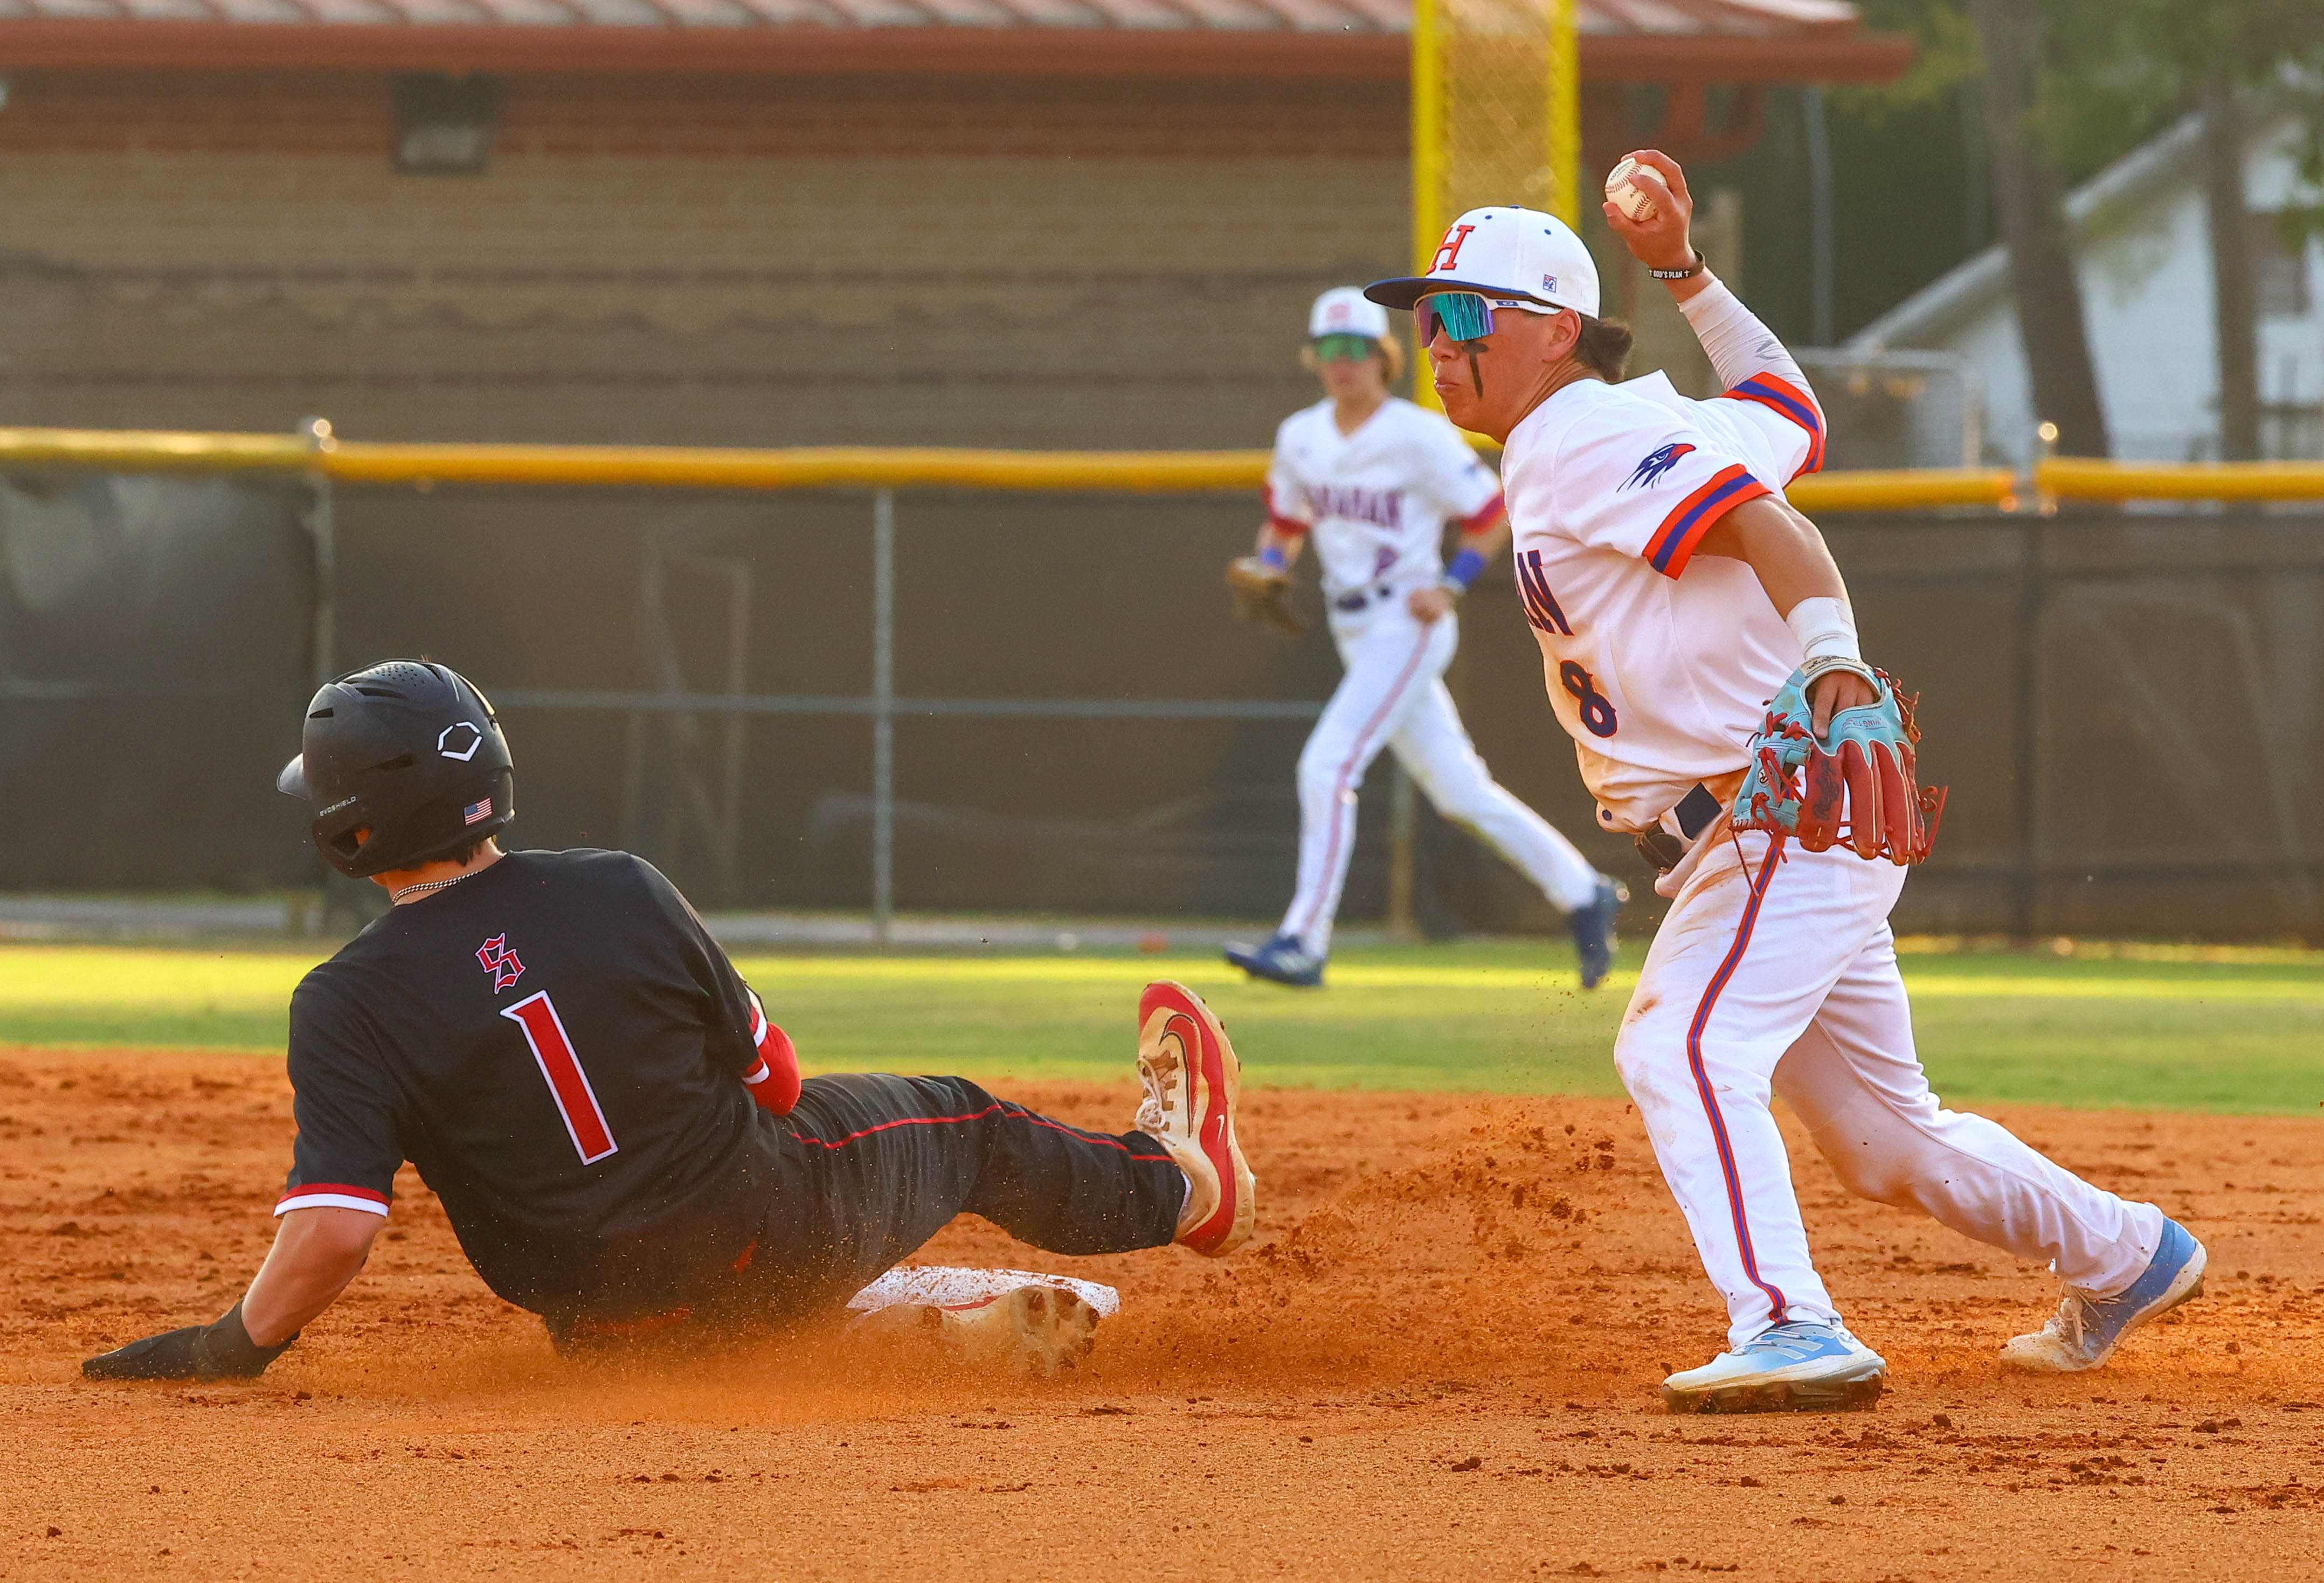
pixel 1448 252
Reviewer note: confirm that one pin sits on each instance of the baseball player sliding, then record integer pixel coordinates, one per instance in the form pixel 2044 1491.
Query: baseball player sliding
pixel 1699 647
pixel 619 1136
pixel 1372 480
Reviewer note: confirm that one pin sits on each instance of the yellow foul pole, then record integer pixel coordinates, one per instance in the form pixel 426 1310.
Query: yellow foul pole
pixel 1565 113
pixel 1428 217
pixel 1427 134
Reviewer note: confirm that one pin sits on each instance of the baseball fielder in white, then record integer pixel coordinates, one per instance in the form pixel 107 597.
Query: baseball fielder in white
pixel 1372 479
pixel 1674 592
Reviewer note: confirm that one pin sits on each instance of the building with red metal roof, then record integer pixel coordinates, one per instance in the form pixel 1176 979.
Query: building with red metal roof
pixel 1002 222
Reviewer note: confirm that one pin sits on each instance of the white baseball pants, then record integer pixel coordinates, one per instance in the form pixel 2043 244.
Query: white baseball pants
pixel 1393 695
pixel 1775 970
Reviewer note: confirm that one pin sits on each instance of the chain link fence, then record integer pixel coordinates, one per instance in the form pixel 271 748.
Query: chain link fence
pixel 2129 707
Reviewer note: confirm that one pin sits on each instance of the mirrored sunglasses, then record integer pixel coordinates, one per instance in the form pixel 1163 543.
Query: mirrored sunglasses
pixel 1346 348
pixel 1463 316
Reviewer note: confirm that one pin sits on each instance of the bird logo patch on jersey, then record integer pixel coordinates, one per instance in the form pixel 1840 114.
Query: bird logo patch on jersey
pixel 500 961
pixel 1656 463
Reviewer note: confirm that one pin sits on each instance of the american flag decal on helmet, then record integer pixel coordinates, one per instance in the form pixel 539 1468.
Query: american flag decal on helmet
pixel 476 811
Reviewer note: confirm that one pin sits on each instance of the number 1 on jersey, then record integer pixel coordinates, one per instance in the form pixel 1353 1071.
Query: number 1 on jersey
pixel 569 1085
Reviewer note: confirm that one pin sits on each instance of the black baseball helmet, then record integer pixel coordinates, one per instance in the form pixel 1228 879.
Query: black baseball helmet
pixel 403 761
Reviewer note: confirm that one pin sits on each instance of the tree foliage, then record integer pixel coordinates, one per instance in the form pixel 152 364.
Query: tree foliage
pixel 2123 69
pixel 2116 72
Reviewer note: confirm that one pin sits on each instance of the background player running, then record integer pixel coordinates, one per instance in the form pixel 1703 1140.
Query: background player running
pixel 1673 594
pixel 1372 479
pixel 618 1136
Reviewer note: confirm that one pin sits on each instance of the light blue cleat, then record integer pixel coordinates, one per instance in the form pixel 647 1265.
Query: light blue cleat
pixel 1594 931
pixel 2084 1330
pixel 1802 1367
pixel 1282 961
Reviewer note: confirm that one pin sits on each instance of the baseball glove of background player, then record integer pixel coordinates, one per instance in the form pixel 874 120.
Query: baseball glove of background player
pixel 1262 593
pixel 1861 775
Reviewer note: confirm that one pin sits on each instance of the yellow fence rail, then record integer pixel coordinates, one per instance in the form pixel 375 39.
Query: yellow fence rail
pixel 808 467
pixel 1905 489
pixel 1148 471
pixel 2072 478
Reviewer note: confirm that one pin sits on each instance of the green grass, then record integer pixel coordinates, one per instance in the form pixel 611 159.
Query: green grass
pixel 2222 1031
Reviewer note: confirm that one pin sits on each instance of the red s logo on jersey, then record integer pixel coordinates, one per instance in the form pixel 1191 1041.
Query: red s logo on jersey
pixel 500 961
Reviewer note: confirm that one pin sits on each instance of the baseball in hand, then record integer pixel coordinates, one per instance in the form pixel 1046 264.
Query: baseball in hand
pixel 1628 195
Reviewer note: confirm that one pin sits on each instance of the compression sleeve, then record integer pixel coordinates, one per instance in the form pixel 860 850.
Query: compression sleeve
pixel 1756 367
pixel 774 1079
pixel 1737 344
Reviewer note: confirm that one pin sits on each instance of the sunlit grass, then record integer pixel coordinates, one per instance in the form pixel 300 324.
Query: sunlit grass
pixel 2200 1029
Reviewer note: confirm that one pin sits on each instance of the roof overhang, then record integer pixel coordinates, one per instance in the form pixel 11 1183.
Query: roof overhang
pixel 120 44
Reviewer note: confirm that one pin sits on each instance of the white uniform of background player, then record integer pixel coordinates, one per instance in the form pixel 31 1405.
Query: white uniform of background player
pixel 1374 502
pixel 1774 971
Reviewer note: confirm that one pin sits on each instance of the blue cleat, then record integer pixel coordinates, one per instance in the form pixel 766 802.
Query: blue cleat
pixel 1802 1367
pixel 1594 931
pixel 1282 961
pixel 2086 1329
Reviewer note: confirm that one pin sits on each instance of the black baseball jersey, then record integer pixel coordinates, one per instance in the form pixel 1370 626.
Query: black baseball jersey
pixel 557 1045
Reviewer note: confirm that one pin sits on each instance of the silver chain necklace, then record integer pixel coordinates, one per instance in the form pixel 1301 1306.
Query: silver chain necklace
pixel 395 895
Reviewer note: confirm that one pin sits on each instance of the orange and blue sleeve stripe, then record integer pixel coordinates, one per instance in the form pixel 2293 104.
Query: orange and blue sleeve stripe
pixel 1673 542
pixel 1780 395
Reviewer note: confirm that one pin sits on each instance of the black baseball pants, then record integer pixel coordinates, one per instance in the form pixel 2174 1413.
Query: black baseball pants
pixel 871 1166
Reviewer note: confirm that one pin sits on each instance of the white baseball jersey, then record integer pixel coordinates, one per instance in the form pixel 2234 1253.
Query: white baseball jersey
pixel 1659 678
pixel 1765 976
pixel 1376 500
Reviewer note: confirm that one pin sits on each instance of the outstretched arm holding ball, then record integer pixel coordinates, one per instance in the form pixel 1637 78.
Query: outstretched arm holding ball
pixel 1648 205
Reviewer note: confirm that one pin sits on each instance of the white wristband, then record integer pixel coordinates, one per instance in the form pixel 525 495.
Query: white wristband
pixel 1826 628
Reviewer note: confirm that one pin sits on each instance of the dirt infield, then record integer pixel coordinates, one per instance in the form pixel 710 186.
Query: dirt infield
pixel 1438 1361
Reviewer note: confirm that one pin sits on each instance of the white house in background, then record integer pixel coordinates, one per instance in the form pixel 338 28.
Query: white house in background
pixel 2143 250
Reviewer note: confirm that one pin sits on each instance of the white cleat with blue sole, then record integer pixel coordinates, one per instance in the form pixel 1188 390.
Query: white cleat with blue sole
pixel 1801 1366
pixel 2084 1330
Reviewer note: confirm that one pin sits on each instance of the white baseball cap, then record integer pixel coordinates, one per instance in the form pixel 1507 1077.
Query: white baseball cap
pixel 1519 253
pixel 1343 310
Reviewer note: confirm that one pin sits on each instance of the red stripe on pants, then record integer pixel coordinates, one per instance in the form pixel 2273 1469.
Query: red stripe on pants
pixel 1702 1080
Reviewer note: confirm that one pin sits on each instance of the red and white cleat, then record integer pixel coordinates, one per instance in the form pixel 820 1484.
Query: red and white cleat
pixel 1192 1079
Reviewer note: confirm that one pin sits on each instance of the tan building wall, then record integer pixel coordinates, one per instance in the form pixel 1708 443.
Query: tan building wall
pixel 812 262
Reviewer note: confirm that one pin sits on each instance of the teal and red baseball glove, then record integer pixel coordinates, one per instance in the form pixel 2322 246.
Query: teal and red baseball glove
pixel 1859 776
